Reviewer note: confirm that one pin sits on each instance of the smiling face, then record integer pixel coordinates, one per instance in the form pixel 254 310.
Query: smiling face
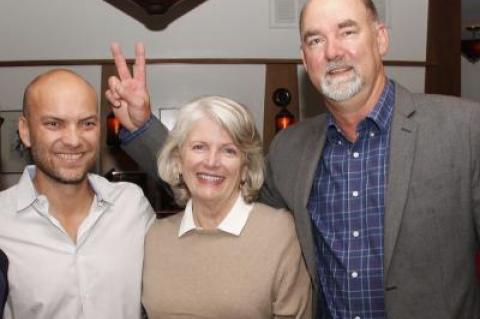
pixel 211 165
pixel 342 48
pixel 61 127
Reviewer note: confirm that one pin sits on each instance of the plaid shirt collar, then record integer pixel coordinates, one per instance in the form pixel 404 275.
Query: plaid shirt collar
pixel 380 116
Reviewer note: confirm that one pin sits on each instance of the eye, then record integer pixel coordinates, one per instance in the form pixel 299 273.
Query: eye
pixel 52 124
pixel 89 124
pixel 230 150
pixel 348 32
pixel 198 147
pixel 314 42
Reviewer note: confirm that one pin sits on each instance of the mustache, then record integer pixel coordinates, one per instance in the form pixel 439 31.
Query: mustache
pixel 337 65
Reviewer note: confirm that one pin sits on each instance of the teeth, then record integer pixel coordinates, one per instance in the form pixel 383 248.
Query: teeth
pixel 71 157
pixel 210 178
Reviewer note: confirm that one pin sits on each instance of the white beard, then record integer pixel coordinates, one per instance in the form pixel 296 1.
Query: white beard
pixel 341 88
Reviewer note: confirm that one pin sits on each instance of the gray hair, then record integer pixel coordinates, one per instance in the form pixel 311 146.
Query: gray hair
pixel 369 5
pixel 238 123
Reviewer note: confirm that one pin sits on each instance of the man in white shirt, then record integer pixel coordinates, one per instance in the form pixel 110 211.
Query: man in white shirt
pixel 74 240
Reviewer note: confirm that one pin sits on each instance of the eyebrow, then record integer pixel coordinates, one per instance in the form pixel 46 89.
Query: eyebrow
pixel 53 117
pixel 347 24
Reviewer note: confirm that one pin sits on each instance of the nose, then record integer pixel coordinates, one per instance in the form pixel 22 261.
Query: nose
pixel 333 50
pixel 213 158
pixel 71 136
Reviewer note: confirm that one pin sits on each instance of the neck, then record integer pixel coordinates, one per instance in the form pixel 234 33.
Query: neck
pixel 349 113
pixel 209 215
pixel 68 203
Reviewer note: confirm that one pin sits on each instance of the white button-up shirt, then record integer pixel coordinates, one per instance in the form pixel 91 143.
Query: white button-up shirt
pixel 51 277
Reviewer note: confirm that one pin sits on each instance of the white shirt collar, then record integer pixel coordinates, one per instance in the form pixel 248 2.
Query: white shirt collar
pixel 104 191
pixel 233 223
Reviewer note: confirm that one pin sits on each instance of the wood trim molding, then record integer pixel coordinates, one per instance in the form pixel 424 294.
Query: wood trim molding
pixel 102 62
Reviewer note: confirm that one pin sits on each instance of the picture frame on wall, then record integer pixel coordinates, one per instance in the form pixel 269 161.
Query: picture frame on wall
pixel 13 155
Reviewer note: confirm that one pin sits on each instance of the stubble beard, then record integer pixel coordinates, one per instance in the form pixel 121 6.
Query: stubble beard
pixel 48 167
pixel 341 88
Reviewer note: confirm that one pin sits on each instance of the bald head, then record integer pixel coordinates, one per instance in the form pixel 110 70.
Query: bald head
pixel 61 127
pixel 369 5
pixel 54 82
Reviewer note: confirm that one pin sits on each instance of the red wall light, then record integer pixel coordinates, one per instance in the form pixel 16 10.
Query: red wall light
pixel 471 47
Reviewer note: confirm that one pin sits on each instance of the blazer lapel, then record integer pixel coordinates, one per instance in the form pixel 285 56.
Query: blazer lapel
pixel 311 153
pixel 402 152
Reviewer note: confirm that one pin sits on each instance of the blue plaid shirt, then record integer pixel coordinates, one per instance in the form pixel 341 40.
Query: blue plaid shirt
pixel 347 204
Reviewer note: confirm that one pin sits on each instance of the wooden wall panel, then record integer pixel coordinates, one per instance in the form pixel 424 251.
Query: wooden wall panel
pixel 278 76
pixel 443 72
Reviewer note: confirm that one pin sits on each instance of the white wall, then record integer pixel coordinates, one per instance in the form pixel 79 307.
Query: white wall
pixel 13 81
pixel 173 85
pixel 83 29
pixel 73 29
pixel 470 80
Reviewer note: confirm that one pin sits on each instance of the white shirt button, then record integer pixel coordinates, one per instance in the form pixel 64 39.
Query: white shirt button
pixel 356 317
pixel 372 134
pixel 354 274
pixel 355 193
pixel 339 142
pixel 356 233
pixel 356 155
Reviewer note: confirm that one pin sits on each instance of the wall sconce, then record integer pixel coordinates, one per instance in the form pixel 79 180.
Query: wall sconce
pixel 282 98
pixel 471 47
pixel 155 7
pixel 113 130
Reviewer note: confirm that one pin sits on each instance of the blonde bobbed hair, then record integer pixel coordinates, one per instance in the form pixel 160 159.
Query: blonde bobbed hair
pixel 238 123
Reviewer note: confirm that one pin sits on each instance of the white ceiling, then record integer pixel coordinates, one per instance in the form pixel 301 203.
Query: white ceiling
pixel 470 15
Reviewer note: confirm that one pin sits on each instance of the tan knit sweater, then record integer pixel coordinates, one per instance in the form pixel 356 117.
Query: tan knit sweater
pixel 213 274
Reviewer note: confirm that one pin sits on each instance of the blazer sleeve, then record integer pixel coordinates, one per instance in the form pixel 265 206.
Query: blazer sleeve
pixel 269 193
pixel 475 164
pixel 145 147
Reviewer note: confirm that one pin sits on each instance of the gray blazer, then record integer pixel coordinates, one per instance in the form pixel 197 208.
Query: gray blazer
pixel 432 216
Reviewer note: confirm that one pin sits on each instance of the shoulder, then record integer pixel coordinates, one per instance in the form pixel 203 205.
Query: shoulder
pixel 436 106
pixel 116 190
pixel 8 193
pixel 164 227
pixel 291 143
pixel 276 220
pixel 302 130
pixel 8 198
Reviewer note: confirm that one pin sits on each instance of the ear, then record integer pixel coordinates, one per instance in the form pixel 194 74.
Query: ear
pixel 243 175
pixel 178 163
pixel 383 38
pixel 302 54
pixel 24 131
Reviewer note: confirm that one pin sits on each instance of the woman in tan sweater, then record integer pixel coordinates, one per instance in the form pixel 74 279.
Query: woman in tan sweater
pixel 225 256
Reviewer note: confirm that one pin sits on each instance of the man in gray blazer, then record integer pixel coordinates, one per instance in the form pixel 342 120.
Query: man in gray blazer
pixel 385 187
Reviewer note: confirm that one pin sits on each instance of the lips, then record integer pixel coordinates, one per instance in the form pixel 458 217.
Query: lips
pixel 210 178
pixel 339 70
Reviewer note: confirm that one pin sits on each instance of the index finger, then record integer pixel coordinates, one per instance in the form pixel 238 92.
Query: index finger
pixel 120 62
pixel 139 67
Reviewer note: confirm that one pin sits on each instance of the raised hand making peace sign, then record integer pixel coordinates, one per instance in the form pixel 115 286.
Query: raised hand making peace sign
pixel 128 94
